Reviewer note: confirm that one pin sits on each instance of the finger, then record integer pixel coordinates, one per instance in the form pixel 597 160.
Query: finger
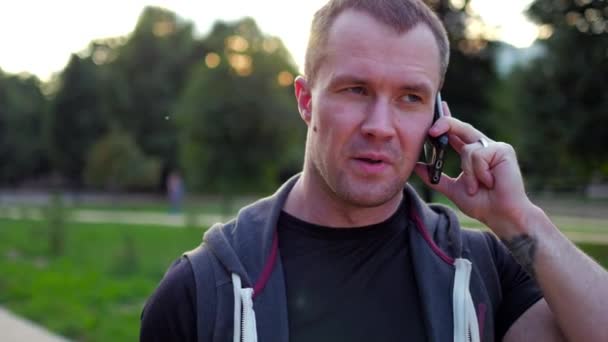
pixel 468 170
pixel 441 126
pixel 481 159
pixel 467 133
pixel 456 143
pixel 446 109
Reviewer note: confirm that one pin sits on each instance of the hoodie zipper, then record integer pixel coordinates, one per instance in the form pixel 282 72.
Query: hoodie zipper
pixel 248 321
pixel 242 325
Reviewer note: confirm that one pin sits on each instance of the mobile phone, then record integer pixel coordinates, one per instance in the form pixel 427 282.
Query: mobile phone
pixel 435 147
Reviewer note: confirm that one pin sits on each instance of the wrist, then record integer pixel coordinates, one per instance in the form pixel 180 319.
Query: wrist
pixel 524 220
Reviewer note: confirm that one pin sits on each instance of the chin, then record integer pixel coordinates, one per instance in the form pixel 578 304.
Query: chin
pixel 368 194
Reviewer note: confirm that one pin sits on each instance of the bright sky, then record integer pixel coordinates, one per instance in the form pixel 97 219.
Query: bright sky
pixel 39 36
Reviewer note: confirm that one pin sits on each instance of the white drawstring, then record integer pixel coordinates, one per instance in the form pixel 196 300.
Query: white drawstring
pixel 466 328
pixel 247 326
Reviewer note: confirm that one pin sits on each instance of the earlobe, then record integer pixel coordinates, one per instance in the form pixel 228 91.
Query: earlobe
pixel 303 97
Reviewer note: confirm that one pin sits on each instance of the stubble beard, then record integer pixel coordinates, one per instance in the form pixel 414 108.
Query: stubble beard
pixel 354 191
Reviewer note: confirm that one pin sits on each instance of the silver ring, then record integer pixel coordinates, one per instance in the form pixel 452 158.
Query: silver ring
pixel 483 142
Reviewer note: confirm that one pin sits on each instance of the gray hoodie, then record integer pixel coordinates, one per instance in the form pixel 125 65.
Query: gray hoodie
pixel 240 284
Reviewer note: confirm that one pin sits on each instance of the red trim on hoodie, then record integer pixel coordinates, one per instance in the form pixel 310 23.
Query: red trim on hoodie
pixel 268 267
pixel 427 238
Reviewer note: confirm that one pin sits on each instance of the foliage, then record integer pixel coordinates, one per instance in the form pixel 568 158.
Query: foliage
pixel 471 74
pixel 77 119
pixel 146 77
pixel 116 163
pixel 237 120
pixel 23 110
pixel 565 92
pixel 221 108
pixel 130 83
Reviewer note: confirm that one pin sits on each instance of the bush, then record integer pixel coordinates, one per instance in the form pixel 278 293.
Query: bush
pixel 116 163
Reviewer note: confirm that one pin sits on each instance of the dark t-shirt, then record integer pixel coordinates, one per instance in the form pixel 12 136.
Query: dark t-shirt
pixel 351 284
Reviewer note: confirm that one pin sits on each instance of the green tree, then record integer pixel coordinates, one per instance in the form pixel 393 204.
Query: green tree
pixel 132 82
pixel 77 118
pixel 23 110
pixel 471 74
pixel 146 78
pixel 563 93
pixel 116 163
pixel 238 123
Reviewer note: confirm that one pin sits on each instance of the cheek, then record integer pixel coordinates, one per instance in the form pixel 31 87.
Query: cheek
pixel 331 122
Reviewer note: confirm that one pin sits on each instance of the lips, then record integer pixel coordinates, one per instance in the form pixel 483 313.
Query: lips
pixel 374 158
pixel 371 164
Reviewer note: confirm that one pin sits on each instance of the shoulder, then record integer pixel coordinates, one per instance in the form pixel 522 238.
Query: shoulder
pixel 170 312
pixel 479 245
pixel 477 242
pixel 176 287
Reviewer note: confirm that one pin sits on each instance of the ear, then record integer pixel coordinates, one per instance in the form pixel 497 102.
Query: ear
pixel 303 96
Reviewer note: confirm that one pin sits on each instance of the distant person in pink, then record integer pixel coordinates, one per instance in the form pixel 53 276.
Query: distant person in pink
pixel 175 192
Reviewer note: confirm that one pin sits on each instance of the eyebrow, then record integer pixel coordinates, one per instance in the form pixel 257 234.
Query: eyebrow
pixel 348 79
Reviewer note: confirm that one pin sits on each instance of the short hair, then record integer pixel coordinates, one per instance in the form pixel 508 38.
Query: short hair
pixel 402 15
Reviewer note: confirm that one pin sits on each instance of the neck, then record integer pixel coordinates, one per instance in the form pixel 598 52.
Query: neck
pixel 310 203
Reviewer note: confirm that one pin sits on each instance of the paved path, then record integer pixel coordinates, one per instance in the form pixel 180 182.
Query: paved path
pixel 591 224
pixel 118 217
pixel 588 229
pixel 17 329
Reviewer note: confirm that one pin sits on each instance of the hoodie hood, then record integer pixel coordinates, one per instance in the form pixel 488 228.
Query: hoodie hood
pixel 244 244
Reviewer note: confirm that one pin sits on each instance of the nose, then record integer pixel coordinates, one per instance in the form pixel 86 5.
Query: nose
pixel 378 122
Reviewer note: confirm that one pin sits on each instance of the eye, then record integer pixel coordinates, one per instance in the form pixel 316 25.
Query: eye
pixel 356 90
pixel 411 98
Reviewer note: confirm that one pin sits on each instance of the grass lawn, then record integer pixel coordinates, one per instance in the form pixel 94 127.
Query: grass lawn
pixel 95 290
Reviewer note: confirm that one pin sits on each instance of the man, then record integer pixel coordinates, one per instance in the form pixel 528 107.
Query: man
pixel 343 253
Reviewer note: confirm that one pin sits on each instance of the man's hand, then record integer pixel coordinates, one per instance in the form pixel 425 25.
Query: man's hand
pixel 490 187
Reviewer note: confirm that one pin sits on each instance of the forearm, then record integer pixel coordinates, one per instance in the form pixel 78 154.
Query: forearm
pixel 575 287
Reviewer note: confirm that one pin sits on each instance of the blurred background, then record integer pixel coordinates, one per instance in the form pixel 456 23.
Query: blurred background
pixel 127 128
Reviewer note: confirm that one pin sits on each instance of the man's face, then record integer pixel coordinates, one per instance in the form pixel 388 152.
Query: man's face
pixel 370 108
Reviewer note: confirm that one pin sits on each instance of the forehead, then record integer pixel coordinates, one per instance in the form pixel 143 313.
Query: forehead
pixel 358 43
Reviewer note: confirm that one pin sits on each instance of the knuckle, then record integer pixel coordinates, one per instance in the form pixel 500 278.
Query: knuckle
pixel 506 147
pixel 467 150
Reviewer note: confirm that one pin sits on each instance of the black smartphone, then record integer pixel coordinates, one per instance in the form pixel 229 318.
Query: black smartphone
pixel 435 148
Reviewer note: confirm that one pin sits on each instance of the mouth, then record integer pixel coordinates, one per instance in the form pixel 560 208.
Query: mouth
pixel 373 158
pixel 372 164
pixel 370 160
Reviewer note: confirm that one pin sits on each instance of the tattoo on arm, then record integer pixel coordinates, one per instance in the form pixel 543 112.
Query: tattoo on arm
pixel 523 248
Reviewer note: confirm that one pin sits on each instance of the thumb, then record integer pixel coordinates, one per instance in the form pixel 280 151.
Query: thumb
pixel 422 171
